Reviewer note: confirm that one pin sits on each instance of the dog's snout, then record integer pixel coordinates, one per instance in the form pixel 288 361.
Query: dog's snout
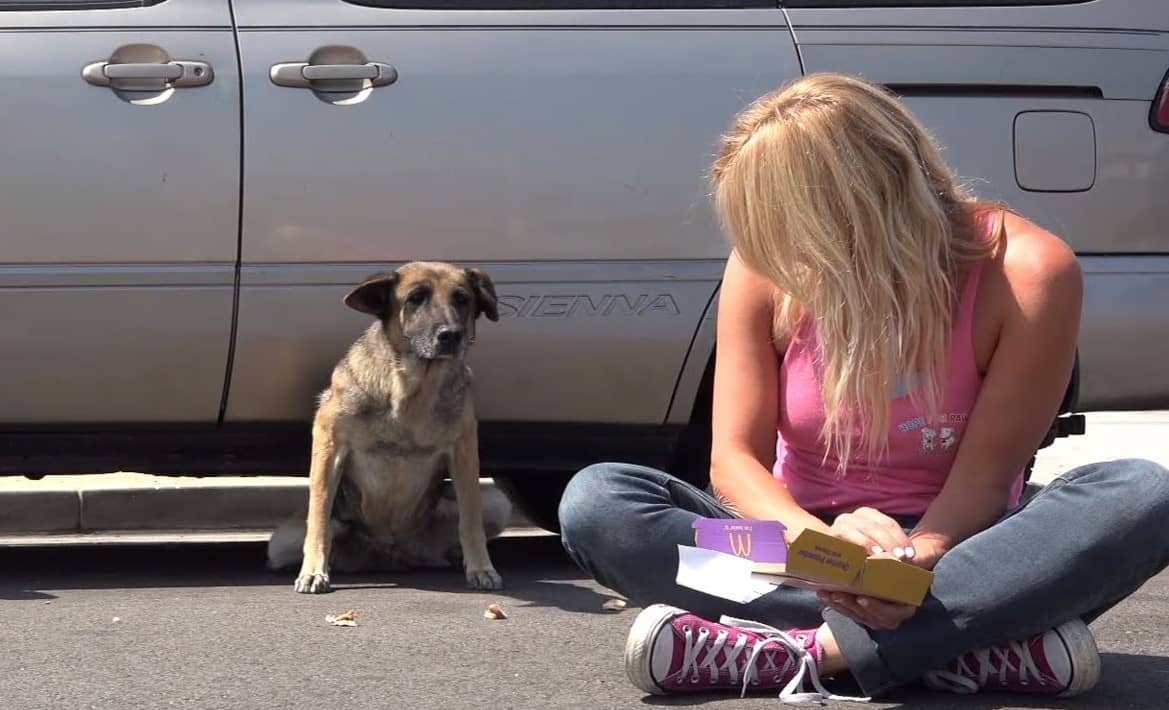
pixel 449 337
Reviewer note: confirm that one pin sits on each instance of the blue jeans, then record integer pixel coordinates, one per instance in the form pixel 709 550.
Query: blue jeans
pixel 1085 542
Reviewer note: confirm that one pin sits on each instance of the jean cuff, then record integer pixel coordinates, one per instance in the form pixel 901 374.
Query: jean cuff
pixel 861 653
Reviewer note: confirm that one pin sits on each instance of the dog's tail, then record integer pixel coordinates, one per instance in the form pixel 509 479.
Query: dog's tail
pixel 286 546
pixel 496 506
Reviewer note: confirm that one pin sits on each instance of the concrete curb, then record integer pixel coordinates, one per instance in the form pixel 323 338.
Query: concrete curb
pixel 34 511
pixel 205 507
pixel 136 504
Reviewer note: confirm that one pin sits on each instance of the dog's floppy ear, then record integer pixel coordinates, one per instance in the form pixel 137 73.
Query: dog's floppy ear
pixel 486 303
pixel 374 296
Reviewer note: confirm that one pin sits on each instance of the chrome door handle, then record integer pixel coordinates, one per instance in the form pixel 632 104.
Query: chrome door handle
pixel 148 76
pixel 301 75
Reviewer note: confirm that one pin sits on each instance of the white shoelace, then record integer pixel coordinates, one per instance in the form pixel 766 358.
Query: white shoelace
pixel 798 659
pixel 965 680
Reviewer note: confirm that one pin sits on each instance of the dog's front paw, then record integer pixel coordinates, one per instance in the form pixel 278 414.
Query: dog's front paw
pixel 485 579
pixel 313 583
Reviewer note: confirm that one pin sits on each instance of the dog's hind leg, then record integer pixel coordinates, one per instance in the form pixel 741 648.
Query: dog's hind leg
pixel 437 544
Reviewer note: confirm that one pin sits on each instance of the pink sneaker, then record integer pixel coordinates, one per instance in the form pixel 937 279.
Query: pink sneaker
pixel 673 651
pixel 1063 661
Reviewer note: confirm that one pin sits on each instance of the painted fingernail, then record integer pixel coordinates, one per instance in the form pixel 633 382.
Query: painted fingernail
pixel 877 549
pixel 863 601
pixel 898 551
pixel 909 553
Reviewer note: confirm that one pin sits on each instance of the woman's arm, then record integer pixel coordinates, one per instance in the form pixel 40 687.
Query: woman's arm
pixel 746 408
pixel 1039 290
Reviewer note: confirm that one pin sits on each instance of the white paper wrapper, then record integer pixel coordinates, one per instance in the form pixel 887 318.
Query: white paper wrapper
pixel 719 574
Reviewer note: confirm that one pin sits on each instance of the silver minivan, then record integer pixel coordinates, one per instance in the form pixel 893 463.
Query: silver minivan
pixel 188 187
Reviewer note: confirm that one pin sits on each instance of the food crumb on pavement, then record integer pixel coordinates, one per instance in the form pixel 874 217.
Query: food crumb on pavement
pixel 346 618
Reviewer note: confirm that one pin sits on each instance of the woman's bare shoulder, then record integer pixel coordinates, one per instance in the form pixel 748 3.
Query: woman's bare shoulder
pixel 1034 260
pixel 1032 270
pixel 745 279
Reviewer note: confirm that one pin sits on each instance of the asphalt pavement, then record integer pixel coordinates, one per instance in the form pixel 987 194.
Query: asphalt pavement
pixel 204 626
pixel 117 621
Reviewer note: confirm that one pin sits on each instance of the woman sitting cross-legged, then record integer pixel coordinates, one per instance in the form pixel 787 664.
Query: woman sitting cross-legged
pixel 891 352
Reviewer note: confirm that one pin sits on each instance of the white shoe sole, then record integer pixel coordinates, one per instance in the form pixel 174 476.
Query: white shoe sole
pixel 639 646
pixel 1077 638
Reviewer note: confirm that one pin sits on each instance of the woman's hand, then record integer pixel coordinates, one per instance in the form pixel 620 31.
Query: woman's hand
pixel 874 531
pixel 873 613
pixel 927 549
pixel 881 536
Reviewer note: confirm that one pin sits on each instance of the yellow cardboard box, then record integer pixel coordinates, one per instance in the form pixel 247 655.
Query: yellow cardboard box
pixel 819 561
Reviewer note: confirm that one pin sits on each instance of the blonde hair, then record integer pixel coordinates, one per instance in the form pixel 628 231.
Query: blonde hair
pixel 832 190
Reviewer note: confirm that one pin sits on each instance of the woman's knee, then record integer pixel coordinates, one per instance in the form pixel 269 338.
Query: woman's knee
pixel 1146 480
pixel 1134 483
pixel 579 499
pixel 592 501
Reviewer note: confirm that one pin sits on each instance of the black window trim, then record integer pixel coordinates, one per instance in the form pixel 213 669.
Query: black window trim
pixel 75 5
pixel 456 5
pixel 887 4
pixel 554 5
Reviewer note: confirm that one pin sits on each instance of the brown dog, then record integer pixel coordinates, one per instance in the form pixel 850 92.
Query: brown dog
pixel 396 420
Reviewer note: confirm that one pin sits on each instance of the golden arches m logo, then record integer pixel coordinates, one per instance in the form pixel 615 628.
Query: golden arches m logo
pixel 740 542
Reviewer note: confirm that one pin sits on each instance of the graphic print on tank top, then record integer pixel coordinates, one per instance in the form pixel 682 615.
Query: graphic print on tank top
pixel 940 436
pixel 937 437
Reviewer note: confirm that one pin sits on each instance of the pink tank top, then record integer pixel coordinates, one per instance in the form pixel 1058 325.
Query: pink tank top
pixel 920 452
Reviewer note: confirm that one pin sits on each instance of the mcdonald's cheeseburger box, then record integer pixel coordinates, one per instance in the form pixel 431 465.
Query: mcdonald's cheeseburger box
pixel 813 560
